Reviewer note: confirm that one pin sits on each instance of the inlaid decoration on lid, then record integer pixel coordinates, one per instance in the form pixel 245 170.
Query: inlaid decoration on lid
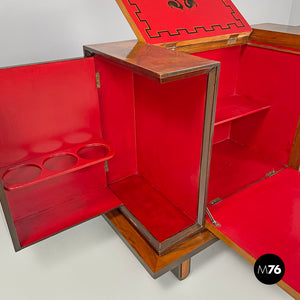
pixel 165 21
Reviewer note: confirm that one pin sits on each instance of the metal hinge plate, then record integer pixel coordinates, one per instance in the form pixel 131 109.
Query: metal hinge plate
pixel 215 201
pixel 232 40
pixel 98 80
pixel 271 173
pixel 106 166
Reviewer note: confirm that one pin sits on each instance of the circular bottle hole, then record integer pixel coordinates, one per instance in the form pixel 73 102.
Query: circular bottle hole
pixel 60 162
pixel 20 175
pixel 78 137
pixel 46 146
pixel 93 151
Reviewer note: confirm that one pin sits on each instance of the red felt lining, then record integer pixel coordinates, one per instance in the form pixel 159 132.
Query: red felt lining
pixel 52 168
pixel 169 124
pixel 264 218
pixel 50 206
pixel 273 76
pixel 160 216
pixel 46 107
pixel 116 99
pixel 234 167
pixel 236 106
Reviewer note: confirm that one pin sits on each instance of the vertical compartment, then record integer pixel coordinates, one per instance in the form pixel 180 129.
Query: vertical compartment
pixel 157 130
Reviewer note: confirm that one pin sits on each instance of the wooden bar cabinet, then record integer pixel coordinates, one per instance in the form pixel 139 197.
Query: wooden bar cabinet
pixel 180 138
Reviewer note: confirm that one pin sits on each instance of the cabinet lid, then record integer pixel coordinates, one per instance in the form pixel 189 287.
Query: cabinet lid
pixel 165 21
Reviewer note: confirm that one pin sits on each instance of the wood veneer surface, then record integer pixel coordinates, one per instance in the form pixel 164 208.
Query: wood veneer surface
pixel 154 62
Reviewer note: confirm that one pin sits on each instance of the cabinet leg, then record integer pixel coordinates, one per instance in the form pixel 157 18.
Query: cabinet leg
pixel 183 270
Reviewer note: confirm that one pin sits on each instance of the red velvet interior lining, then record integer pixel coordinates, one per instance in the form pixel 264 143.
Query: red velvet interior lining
pixel 169 121
pixel 48 207
pixel 46 108
pixel 116 97
pixel 234 167
pixel 264 218
pixel 51 159
pixel 160 216
pixel 275 77
pixel 258 107
pixel 157 135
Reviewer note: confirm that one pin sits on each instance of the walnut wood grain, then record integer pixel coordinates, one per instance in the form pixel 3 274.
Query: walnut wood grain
pixel 207 139
pixel 183 270
pixel 154 62
pixel 294 161
pixel 276 35
pixel 274 48
pixel 164 246
pixel 248 257
pixel 154 263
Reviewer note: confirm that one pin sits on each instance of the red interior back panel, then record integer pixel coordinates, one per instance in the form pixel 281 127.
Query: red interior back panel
pixel 274 77
pixel 169 121
pixel 161 21
pixel 47 107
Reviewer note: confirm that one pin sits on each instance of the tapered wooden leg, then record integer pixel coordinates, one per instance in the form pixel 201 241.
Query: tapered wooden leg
pixel 183 270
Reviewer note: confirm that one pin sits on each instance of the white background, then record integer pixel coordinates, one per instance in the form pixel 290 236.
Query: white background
pixel 41 30
pixel 89 261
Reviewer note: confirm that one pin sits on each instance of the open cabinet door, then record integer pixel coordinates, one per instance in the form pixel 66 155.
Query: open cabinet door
pixel 263 219
pixel 52 154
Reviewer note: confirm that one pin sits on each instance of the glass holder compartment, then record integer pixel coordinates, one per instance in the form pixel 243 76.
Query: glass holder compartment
pixel 48 166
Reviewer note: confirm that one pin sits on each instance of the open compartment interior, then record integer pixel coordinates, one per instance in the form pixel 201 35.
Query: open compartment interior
pixel 52 153
pixel 258 108
pixel 156 131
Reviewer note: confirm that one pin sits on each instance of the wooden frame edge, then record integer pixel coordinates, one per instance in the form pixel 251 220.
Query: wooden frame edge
pixel 9 219
pixel 208 43
pixel 274 48
pixel 283 285
pixel 154 263
pixel 207 139
pixel 167 245
pixel 294 161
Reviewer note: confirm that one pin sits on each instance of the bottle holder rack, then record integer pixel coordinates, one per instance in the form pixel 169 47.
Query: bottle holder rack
pixel 49 166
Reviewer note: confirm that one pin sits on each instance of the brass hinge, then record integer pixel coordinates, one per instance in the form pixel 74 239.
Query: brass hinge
pixel 271 173
pixel 171 46
pixel 106 166
pixel 232 39
pixel 98 80
pixel 215 201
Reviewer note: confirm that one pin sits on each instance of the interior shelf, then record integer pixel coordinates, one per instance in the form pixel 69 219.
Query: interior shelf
pixel 150 207
pixel 236 106
pixel 64 161
pixel 235 166
pixel 51 206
